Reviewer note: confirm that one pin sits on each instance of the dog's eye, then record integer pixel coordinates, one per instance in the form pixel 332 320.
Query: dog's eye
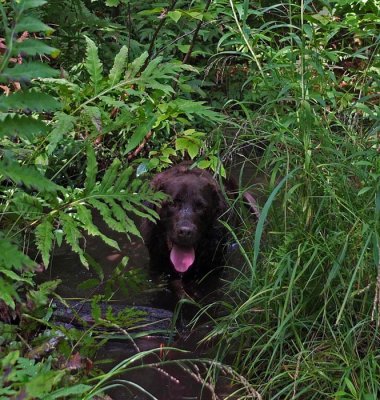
pixel 177 203
pixel 199 205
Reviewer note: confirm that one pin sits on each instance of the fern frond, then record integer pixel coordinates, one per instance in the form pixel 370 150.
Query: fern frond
pixel 123 179
pixel 29 100
pixel 21 126
pixel 27 71
pixel 151 67
pixel 72 235
pixel 119 214
pixel 17 261
pixel 28 176
pixel 44 239
pixel 136 65
pixel 106 214
pixel 118 66
pixel 91 169
pixel 27 206
pixel 110 175
pixel 130 208
pixel 93 65
pixel 64 124
pixel 84 216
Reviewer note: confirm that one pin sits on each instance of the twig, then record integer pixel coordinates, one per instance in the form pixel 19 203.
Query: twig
pixel 188 54
pixel 133 155
pixel 157 31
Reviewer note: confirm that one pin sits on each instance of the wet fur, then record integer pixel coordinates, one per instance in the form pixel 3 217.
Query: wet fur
pixel 194 205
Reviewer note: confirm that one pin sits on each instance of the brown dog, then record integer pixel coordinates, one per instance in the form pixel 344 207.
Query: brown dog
pixel 188 238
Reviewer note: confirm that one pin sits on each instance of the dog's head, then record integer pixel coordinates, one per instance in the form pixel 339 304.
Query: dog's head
pixel 188 217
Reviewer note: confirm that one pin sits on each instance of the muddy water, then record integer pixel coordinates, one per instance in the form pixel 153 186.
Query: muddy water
pixel 171 381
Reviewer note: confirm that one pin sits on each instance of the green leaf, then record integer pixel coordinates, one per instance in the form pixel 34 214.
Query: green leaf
pixel 112 3
pixel 188 144
pixel 63 125
pixel 95 116
pixel 139 134
pixel 28 176
pixel 27 71
pixel 13 276
pixel 30 100
pixel 175 15
pixel 44 239
pixel 68 391
pixel 85 217
pixel 136 65
pixel 91 169
pixel 21 126
pixel 30 207
pixel 17 261
pixel 32 47
pixel 119 214
pixel 93 64
pixel 106 214
pixel 8 294
pixel 32 24
pixel 72 235
pixel 118 66
pixel 183 48
pixel 123 179
pixel 110 175
pixel 27 4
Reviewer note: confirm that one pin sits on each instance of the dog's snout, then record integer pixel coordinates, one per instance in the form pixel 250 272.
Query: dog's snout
pixel 185 232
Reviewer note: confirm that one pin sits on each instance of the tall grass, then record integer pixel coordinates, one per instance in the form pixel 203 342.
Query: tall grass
pixel 302 318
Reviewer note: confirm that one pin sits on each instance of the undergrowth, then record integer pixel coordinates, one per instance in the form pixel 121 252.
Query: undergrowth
pixel 121 88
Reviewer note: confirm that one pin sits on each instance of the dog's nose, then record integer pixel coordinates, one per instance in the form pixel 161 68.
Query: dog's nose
pixel 185 232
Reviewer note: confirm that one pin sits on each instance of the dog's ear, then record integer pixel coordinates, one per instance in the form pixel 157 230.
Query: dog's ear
pixel 218 199
pixel 158 182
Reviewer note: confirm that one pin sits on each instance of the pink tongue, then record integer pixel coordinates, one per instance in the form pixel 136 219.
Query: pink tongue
pixel 182 258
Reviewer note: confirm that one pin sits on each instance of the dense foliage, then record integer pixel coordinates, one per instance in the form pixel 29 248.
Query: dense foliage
pixel 97 93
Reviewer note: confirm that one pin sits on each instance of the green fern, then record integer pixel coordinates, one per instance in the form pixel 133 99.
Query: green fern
pixel 28 176
pixel 33 47
pixel 135 66
pixel 91 169
pixel 44 239
pixel 64 124
pixel 84 216
pixel 93 65
pixel 21 126
pixel 118 66
pixel 12 264
pixel 73 235
pixel 27 71
pixel 29 101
